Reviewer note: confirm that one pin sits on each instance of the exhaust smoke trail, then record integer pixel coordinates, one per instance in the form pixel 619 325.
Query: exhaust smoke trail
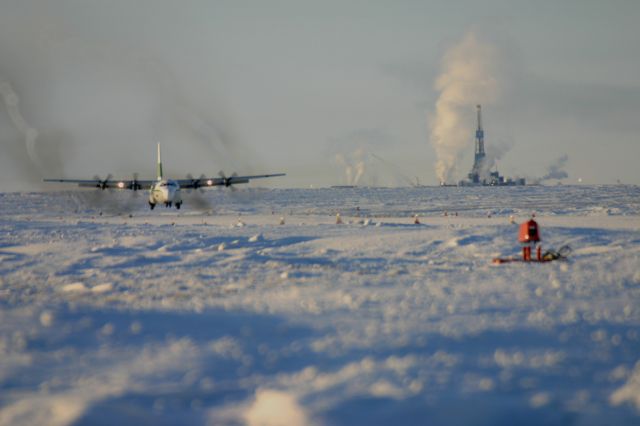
pixel 197 201
pixel 109 202
pixel 469 77
pixel 52 117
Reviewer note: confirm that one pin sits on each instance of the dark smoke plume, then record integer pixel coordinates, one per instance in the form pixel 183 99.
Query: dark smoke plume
pixel 556 170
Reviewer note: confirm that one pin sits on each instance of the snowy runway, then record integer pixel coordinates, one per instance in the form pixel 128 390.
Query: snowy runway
pixel 225 316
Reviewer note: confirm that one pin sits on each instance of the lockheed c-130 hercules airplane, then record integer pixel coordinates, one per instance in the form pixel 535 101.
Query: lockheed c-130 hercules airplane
pixel 163 191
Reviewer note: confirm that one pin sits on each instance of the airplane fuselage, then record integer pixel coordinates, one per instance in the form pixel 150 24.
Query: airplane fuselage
pixel 165 191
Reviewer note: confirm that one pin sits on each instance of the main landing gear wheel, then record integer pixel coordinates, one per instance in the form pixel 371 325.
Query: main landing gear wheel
pixel 151 205
pixel 178 205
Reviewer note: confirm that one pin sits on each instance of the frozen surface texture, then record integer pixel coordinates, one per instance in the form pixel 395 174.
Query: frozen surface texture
pixel 256 308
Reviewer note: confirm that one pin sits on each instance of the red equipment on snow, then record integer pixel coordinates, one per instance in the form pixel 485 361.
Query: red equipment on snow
pixel 529 235
pixel 529 232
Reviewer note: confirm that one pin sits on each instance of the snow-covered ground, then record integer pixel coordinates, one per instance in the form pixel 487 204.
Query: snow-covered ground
pixel 222 314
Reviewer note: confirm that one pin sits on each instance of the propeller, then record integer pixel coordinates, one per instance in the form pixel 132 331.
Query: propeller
pixel 197 199
pixel 135 185
pixel 196 183
pixel 227 181
pixel 102 184
pixel 201 181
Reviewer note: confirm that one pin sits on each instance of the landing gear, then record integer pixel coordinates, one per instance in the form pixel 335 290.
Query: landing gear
pixel 178 204
pixel 151 205
pixel 167 204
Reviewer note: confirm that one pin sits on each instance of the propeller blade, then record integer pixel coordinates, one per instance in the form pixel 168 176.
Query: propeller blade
pixel 99 185
pixel 102 184
pixel 225 179
pixel 135 185
pixel 233 188
pixel 190 177
pixel 202 179
pixel 106 182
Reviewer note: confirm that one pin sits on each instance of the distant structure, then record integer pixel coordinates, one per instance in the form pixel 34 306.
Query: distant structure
pixel 478 159
pixel 480 173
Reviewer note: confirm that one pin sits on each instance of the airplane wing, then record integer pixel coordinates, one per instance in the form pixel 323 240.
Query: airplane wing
pixel 203 182
pixel 132 184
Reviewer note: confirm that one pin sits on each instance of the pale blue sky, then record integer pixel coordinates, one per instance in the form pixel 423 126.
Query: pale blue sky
pixel 256 86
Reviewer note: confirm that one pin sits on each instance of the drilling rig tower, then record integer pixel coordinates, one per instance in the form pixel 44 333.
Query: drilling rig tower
pixel 478 163
pixel 480 174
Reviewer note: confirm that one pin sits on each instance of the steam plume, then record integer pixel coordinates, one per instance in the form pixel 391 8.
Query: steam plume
pixel 468 77
pixel 494 153
pixel 348 168
pixel 354 165
pixel 556 169
pixel 360 165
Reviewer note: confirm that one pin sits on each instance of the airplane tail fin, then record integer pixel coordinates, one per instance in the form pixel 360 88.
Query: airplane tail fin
pixel 159 164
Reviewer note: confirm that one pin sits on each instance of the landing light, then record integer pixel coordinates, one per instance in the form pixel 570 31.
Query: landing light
pixel 120 185
pixel 209 182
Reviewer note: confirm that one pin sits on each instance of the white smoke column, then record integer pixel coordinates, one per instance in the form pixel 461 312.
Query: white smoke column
pixel 360 167
pixel 359 156
pixel 30 134
pixel 354 165
pixel 348 168
pixel 468 78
